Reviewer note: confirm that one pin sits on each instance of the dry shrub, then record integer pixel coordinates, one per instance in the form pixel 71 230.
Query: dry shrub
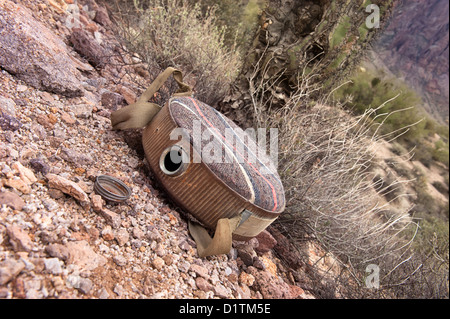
pixel 333 195
pixel 175 33
pixel 325 160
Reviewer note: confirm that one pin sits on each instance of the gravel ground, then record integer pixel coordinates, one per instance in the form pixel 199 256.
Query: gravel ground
pixel 58 239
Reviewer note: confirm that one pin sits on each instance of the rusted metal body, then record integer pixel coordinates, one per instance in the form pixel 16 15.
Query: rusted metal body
pixel 194 187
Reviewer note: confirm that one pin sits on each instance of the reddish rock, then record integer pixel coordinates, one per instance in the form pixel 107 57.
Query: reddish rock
pixel 203 284
pixel 44 121
pixel 97 203
pixel 67 118
pixel 82 255
pixel 200 270
pixel 296 292
pixel 168 259
pixel 12 200
pixel 111 218
pixel 102 17
pixel 68 187
pixel 19 238
pixel 18 184
pixel 244 291
pixel 269 285
pixel 246 279
pixel 88 47
pixel 107 233
pixel 246 253
pixel 127 94
pixel 266 242
pixel 25 174
pixel 112 101
pixel 9 269
pixel 285 249
pixel 158 263
pixel 58 251
pixel 19 288
pixel 220 291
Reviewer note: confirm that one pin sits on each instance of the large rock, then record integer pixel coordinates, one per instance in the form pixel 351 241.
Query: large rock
pixel 266 242
pixel 285 249
pixel 31 52
pixel 78 253
pixel 246 253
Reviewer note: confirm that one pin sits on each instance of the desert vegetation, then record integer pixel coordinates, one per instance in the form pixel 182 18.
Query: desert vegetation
pixel 327 141
pixel 370 89
pixel 327 155
pixel 427 141
pixel 176 33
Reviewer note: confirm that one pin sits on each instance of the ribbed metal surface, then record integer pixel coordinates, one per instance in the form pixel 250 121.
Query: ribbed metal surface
pixel 111 189
pixel 198 191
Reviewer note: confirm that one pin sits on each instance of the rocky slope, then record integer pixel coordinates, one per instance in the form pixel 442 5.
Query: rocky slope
pixel 414 45
pixel 62 74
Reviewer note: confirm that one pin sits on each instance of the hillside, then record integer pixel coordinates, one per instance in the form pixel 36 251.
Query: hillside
pixel 57 238
pixel 65 67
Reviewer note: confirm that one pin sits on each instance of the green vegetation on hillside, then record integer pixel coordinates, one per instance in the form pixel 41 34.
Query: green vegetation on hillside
pixel 176 33
pixel 238 18
pixel 399 109
pixel 340 32
pixel 400 114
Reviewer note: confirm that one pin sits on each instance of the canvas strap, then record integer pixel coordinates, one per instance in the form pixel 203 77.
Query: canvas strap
pixel 220 243
pixel 140 113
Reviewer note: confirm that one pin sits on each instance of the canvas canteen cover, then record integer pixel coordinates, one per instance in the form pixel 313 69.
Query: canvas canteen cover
pixel 210 167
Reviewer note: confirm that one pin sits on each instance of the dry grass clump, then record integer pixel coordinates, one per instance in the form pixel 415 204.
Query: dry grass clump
pixel 325 159
pixel 176 33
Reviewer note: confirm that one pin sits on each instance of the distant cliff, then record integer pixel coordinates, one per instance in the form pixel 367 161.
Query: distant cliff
pixel 414 46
